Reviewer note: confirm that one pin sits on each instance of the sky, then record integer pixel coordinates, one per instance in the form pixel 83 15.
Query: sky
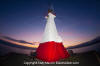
pixel 77 21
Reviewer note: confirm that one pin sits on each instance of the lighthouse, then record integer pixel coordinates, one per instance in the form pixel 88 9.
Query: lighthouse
pixel 51 47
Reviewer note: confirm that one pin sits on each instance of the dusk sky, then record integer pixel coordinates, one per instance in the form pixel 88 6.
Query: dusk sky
pixel 24 19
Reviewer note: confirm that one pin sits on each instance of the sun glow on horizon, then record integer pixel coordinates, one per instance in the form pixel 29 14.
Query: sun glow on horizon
pixel 36 44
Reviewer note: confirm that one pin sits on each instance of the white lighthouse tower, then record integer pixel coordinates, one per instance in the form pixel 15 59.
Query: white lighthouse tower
pixel 50 33
pixel 51 48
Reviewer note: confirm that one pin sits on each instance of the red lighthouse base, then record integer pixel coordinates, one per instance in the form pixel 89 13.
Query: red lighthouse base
pixel 51 51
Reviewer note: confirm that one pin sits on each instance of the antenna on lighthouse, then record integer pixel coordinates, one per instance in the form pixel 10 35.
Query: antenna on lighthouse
pixel 51 9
